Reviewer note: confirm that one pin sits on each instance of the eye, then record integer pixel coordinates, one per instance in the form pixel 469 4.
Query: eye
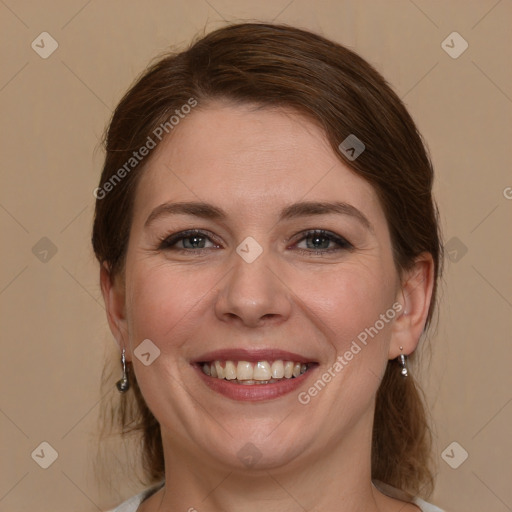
pixel 192 240
pixel 319 241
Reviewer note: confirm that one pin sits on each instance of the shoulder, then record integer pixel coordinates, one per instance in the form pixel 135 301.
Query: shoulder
pixel 398 494
pixel 426 507
pixel 133 503
pixel 130 505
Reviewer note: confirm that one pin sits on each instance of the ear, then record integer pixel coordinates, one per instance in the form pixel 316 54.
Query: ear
pixel 414 295
pixel 114 296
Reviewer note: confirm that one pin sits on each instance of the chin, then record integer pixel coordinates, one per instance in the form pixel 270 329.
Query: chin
pixel 262 447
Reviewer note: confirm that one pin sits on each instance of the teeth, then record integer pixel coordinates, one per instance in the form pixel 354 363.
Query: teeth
pixel 230 370
pixel 262 372
pixel 252 382
pixel 219 370
pixel 277 369
pixel 244 370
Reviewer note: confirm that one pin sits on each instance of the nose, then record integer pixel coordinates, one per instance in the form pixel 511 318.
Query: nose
pixel 254 294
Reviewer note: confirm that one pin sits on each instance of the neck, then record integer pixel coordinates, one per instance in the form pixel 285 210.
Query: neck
pixel 338 479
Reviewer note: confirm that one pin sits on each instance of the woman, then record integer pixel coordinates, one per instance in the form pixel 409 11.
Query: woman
pixel 269 253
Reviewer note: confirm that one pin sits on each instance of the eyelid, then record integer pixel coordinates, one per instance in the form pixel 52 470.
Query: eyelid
pixel 341 242
pixel 320 232
pixel 169 242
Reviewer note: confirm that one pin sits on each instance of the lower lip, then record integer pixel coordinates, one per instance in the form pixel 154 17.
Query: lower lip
pixel 254 392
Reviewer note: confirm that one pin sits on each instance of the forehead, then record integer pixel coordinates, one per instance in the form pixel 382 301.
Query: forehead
pixel 257 159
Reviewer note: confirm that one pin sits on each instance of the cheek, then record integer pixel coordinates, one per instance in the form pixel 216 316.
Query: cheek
pixel 351 308
pixel 164 302
pixel 351 299
pixel 159 301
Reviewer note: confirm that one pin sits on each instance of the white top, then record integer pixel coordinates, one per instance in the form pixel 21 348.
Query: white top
pixel 132 504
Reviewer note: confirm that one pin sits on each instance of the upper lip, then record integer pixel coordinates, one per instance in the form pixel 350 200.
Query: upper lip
pixel 254 355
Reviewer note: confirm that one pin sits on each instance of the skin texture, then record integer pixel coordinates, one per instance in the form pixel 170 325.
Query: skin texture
pixel 252 162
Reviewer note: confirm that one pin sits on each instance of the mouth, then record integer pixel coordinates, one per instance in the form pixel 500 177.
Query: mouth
pixel 258 373
pixel 253 375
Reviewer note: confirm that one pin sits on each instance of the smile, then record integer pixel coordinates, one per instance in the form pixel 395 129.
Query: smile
pixel 249 373
pixel 254 375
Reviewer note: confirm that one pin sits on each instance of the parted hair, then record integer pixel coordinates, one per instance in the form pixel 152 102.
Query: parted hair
pixel 274 65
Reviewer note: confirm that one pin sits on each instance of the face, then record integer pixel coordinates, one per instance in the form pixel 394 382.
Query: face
pixel 267 275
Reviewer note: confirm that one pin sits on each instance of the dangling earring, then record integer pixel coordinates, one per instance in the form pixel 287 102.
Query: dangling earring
pixel 402 359
pixel 123 385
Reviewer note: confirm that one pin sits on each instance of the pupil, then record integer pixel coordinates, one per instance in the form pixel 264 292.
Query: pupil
pixel 317 239
pixel 194 240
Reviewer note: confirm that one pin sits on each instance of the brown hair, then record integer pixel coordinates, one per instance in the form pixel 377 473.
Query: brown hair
pixel 276 65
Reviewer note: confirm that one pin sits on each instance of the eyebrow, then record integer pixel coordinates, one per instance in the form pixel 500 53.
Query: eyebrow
pixel 293 211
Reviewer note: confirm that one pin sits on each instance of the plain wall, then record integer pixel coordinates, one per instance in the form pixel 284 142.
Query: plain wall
pixel 54 333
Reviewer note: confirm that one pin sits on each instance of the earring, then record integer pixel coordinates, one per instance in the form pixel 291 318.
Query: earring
pixel 123 385
pixel 402 359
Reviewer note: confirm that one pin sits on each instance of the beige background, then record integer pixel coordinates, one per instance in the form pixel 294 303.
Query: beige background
pixel 54 333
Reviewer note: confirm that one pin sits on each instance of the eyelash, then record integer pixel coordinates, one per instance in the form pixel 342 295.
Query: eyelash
pixel 169 242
